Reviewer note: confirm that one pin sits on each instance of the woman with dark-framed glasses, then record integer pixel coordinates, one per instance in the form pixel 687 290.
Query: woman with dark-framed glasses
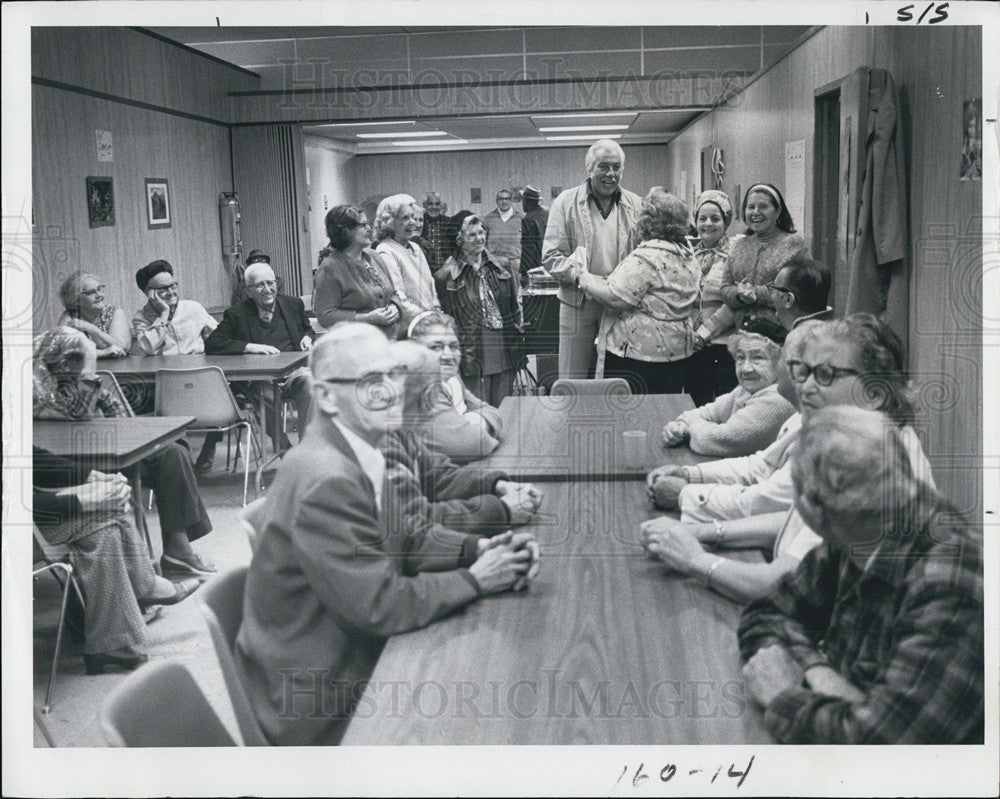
pixel 83 296
pixel 854 361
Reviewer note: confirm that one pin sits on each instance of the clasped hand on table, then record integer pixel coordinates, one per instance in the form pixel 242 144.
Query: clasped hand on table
pixel 664 484
pixel 521 499
pixel 509 560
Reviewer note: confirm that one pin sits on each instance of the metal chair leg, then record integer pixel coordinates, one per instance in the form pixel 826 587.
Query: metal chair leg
pixel 68 572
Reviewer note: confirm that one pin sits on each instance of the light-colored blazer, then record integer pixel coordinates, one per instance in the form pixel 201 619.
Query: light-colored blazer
pixel 569 237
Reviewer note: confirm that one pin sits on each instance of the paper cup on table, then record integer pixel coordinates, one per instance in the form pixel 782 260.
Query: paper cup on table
pixel 634 450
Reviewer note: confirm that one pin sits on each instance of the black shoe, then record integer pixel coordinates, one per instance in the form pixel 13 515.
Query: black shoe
pixel 206 459
pixel 182 591
pixel 125 658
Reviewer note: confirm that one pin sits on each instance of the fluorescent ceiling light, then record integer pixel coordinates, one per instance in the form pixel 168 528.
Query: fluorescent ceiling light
pixel 587 138
pixel 365 124
pixel 398 133
pixel 428 141
pixel 588 115
pixel 580 127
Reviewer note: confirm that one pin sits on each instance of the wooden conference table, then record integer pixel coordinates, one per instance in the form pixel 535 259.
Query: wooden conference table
pixel 605 647
pixel 249 368
pixel 112 445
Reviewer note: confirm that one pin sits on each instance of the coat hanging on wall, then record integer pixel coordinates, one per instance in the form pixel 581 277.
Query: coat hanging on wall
pixel 879 274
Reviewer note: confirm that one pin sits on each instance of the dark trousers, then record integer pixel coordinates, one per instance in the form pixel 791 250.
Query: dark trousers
pixel 171 476
pixel 711 373
pixel 647 377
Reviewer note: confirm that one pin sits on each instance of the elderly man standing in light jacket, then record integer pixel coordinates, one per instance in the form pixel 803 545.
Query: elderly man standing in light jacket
pixel 590 229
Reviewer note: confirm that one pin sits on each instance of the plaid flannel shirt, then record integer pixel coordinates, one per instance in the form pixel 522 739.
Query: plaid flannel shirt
pixel 907 630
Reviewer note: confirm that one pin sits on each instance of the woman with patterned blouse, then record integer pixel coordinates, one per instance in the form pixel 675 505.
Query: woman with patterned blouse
pixel 352 284
pixel 82 296
pixel 650 300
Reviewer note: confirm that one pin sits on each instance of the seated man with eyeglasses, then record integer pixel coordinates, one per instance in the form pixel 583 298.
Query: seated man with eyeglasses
pixel 168 325
pixel 264 324
pixel 800 291
pixel 333 577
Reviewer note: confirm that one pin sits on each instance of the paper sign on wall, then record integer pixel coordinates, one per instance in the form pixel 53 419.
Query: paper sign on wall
pixel 795 181
pixel 105 149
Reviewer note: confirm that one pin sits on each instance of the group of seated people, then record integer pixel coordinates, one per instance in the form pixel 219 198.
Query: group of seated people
pixel 380 522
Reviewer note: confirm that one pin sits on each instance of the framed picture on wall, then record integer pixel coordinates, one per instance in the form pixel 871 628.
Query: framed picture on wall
pixel 157 203
pixel 100 201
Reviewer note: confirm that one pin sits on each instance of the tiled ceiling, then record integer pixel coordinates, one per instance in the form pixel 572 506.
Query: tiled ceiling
pixel 370 57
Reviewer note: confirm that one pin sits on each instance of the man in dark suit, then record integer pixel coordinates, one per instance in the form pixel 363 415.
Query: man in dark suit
pixel 332 579
pixel 266 323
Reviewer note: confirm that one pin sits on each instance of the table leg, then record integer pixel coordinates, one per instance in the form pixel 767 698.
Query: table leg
pixel 140 513
pixel 263 422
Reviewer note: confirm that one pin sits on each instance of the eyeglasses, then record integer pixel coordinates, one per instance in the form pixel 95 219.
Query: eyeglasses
pixel 772 287
pixel 377 390
pixel 93 292
pixel 173 287
pixel 504 197
pixel 823 373
pixel 261 284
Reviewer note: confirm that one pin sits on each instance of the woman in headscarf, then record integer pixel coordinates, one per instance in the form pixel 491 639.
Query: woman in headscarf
pixel 711 371
pixel 754 260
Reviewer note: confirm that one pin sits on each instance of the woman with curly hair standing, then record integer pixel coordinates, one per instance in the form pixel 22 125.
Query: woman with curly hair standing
pixel 649 301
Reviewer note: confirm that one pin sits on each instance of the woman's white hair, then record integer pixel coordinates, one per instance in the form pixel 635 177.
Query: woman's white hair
pixel 387 211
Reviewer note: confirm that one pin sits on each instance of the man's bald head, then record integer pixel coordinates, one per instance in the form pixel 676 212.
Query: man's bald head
pixel 257 272
pixel 354 370
pixel 345 350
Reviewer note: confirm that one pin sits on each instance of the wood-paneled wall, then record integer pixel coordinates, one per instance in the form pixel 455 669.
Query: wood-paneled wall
pixel 935 71
pixel 194 158
pixel 269 177
pixel 129 64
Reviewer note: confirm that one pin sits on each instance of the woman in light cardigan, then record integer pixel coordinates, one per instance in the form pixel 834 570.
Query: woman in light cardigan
pixel 396 225
pixel 748 418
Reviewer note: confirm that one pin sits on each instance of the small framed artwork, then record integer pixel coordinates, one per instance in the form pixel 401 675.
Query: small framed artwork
pixel 972 140
pixel 100 201
pixel 157 203
pixel 476 196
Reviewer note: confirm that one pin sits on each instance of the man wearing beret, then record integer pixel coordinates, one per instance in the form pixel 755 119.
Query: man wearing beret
pixel 168 325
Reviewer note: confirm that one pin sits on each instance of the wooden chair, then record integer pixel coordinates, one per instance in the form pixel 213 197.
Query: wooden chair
pixel 222 606
pixel 160 704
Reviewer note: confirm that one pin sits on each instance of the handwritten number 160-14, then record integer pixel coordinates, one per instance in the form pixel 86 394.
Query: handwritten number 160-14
pixel 670 770
pixel 905 13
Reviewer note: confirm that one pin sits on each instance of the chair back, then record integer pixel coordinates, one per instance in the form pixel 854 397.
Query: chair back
pixel 160 704
pixel 222 606
pixel 203 393
pixel 252 519
pixel 605 387
pixel 110 384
